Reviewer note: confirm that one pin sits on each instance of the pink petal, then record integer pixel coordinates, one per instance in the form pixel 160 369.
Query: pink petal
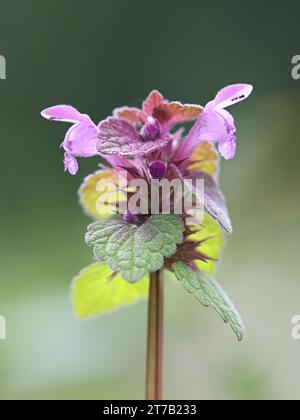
pixel 117 161
pixel 81 140
pixel 71 164
pixel 227 148
pixel 65 113
pixel 177 137
pixel 210 126
pixel 228 118
pixel 232 94
pixel 154 99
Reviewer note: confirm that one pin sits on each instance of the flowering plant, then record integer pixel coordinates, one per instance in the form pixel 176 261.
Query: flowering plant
pixel 140 234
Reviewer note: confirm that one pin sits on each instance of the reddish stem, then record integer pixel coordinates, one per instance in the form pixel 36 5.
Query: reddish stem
pixel 155 338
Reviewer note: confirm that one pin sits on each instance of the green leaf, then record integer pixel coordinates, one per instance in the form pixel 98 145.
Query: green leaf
pixel 96 291
pixel 135 250
pixel 208 292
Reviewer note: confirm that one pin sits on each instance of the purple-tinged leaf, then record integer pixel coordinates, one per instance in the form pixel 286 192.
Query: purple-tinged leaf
pixel 132 115
pixel 117 136
pixel 153 100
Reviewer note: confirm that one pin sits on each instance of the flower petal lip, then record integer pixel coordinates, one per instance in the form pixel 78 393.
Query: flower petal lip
pixel 70 164
pixel 81 140
pixel 227 148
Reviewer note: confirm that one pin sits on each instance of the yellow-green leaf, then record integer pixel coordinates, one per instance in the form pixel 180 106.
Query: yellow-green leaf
pixel 205 159
pixel 95 290
pixel 212 234
pixel 99 193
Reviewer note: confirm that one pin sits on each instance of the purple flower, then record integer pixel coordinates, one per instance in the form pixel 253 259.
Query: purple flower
pixel 80 140
pixel 215 124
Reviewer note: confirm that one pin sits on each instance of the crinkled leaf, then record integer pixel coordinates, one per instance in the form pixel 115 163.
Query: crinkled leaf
pixel 118 136
pixel 132 115
pixel 211 236
pixel 154 99
pixel 99 193
pixel 208 292
pixel 172 113
pixel 95 290
pixel 135 250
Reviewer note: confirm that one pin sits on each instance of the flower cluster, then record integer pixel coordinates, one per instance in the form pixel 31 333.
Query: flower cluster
pixel 149 144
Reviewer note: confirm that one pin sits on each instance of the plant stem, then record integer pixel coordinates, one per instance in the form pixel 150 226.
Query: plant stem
pixel 155 338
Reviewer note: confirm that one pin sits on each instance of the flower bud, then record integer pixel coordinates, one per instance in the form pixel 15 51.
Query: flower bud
pixel 130 218
pixel 150 131
pixel 158 169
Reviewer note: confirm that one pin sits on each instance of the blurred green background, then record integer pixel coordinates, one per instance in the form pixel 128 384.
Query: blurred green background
pixel 97 55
